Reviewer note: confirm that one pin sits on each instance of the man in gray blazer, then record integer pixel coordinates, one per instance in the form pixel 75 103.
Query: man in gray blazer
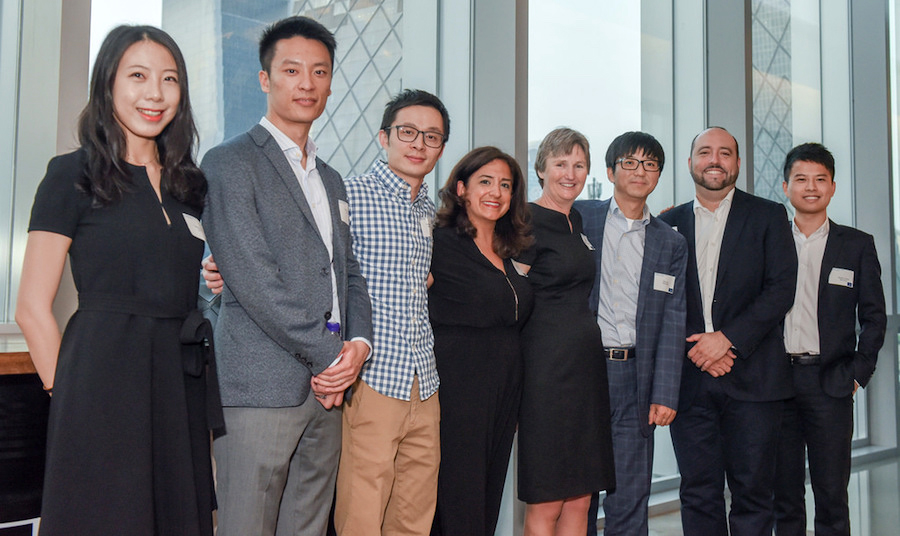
pixel 295 305
pixel 639 302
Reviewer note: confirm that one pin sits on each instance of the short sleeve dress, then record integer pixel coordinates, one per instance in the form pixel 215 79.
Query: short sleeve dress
pixel 128 439
pixel 477 312
pixel 565 442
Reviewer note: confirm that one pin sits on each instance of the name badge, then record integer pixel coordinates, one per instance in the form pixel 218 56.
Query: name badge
pixel 587 242
pixel 664 283
pixel 344 209
pixel 841 277
pixel 426 227
pixel 194 226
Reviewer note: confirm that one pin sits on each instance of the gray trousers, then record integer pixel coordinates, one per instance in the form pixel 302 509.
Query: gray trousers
pixel 276 470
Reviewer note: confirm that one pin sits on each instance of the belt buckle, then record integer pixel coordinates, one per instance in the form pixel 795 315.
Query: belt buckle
pixel 611 354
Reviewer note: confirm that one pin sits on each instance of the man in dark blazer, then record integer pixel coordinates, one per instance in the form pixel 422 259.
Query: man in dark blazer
pixel 638 300
pixel 294 306
pixel 741 276
pixel 838 284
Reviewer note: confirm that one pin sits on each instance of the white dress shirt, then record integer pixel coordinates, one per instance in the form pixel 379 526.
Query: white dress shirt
pixel 801 324
pixel 620 275
pixel 316 197
pixel 709 229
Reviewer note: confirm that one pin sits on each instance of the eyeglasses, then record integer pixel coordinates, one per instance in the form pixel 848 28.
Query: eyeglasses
pixel 435 140
pixel 633 163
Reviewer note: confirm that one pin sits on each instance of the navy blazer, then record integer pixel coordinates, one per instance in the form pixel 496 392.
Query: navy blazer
pixel 844 359
pixel 271 335
pixel 755 286
pixel 660 318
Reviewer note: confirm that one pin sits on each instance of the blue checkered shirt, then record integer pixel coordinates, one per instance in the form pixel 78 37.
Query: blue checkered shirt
pixel 392 242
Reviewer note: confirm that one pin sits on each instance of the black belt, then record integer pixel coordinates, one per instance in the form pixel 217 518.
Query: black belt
pixel 196 330
pixel 805 358
pixel 619 354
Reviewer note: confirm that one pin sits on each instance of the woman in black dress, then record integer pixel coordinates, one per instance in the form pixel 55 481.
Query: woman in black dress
pixel 478 304
pixel 565 442
pixel 128 438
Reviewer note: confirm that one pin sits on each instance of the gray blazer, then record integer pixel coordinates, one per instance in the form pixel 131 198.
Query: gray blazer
pixel 271 336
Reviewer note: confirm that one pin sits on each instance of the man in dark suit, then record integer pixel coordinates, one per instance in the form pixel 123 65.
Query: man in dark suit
pixel 295 305
pixel 638 300
pixel 838 283
pixel 741 276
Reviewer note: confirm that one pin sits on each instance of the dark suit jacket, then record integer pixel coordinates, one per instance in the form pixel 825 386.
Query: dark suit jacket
pixel 659 322
pixel 271 335
pixel 845 359
pixel 755 285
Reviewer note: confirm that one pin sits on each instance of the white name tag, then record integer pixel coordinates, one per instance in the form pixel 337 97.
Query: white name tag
pixel 664 283
pixel 841 277
pixel 194 226
pixel 344 209
pixel 426 227
pixel 587 242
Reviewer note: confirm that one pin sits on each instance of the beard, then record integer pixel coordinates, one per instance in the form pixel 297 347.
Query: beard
pixel 727 181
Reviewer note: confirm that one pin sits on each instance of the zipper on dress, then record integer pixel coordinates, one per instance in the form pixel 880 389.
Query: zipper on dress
pixel 515 295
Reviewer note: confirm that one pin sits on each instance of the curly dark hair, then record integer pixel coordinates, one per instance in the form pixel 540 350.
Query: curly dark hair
pixel 512 233
pixel 106 176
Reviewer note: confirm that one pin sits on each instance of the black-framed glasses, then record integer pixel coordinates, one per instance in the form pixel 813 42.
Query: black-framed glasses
pixel 435 140
pixel 633 163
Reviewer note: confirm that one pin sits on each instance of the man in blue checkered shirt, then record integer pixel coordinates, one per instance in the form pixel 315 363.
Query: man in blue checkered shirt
pixel 387 480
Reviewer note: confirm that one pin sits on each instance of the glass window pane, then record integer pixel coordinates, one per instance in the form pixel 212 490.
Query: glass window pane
pixel 584 72
pixel 9 82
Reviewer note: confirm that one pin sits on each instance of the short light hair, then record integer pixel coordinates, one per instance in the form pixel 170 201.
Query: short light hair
pixel 560 141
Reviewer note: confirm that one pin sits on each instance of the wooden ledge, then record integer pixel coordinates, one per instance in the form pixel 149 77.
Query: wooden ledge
pixel 16 363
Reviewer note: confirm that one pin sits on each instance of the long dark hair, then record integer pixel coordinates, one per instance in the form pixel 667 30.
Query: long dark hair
pixel 106 176
pixel 512 233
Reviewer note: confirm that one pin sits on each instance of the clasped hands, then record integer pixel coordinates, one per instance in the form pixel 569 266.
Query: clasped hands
pixel 330 384
pixel 712 353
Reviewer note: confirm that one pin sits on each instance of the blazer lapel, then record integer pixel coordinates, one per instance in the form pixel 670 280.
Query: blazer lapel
pixel 276 157
pixel 737 218
pixel 652 252
pixel 688 229
pixel 833 246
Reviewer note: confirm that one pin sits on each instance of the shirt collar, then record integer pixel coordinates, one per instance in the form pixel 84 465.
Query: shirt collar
pixel 285 143
pixel 818 233
pixel 729 197
pixel 394 184
pixel 614 210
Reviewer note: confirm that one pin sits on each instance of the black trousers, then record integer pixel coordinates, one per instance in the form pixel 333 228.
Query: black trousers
pixel 720 437
pixel 821 426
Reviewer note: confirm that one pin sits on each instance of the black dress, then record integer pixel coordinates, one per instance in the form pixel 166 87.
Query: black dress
pixel 477 312
pixel 565 442
pixel 128 441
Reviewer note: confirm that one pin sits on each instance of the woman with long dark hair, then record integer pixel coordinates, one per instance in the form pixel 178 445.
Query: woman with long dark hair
pixel 128 439
pixel 478 303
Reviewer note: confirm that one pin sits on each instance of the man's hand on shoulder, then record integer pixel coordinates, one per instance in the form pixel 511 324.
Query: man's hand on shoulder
pixel 211 275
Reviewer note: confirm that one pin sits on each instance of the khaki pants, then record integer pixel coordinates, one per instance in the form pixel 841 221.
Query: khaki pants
pixel 390 453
